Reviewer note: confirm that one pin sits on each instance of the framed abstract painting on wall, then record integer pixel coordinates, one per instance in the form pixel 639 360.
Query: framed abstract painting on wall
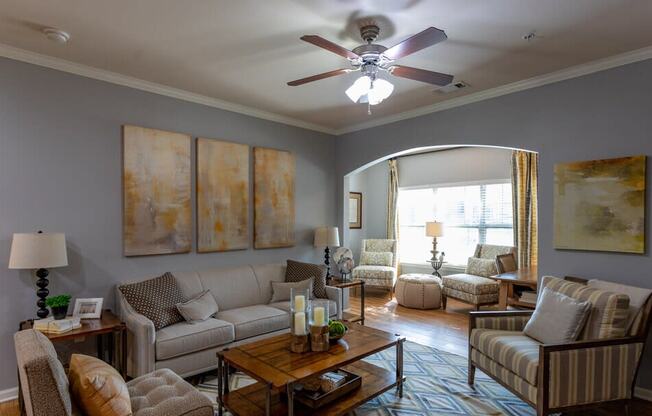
pixel 274 215
pixel 599 205
pixel 222 196
pixel 156 192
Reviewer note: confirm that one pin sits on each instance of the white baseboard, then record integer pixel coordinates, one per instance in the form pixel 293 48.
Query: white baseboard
pixel 9 394
pixel 644 394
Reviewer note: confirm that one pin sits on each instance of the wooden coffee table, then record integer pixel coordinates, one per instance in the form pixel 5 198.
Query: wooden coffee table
pixel 277 369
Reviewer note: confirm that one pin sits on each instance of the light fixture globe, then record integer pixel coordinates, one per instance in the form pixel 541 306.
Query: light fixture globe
pixel 359 88
pixel 380 90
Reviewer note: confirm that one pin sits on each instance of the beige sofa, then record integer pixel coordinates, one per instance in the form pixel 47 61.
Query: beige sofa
pixel 243 295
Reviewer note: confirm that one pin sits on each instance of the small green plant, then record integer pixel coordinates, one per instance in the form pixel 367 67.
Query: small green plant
pixel 59 301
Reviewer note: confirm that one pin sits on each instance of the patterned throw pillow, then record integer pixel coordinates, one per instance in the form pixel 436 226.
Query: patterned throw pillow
pixel 379 258
pixel 297 271
pixel 156 299
pixel 481 267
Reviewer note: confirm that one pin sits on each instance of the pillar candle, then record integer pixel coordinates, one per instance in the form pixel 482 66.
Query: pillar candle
pixel 300 323
pixel 300 303
pixel 318 316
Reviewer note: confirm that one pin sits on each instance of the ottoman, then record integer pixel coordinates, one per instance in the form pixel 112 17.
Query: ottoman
pixel 418 291
pixel 469 288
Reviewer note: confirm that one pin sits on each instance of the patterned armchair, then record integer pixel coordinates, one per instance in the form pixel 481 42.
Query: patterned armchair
pixel 600 367
pixel 378 264
pixel 474 286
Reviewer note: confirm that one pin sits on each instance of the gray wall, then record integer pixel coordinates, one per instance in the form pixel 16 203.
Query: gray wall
pixel 373 183
pixel 60 170
pixel 602 115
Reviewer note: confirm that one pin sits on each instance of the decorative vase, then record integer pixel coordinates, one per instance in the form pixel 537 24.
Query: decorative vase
pixel 319 325
pixel 60 312
pixel 299 310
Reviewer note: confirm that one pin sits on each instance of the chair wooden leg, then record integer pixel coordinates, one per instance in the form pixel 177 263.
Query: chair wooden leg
pixel 443 302
pixel 471 375
pixel 477 307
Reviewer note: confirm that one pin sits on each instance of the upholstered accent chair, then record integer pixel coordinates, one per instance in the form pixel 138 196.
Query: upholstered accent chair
pixel 44 388
pixel 599 367
pixel 378 264
pixel 474 286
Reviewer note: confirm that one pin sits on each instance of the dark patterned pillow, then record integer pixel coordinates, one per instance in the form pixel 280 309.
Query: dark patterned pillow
pixel 297 271
pixel 156 299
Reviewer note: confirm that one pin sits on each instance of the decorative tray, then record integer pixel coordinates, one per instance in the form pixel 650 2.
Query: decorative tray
pixel 318 399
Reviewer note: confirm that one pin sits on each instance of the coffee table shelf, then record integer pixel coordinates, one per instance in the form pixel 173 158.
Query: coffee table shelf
pixel 250 400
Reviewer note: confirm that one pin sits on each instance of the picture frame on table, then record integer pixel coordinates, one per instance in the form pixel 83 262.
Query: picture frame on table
pixel 88 308
pixel 355 210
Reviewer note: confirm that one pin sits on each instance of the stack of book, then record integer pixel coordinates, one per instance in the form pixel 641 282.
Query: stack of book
pixel 56 326
pixel 528 296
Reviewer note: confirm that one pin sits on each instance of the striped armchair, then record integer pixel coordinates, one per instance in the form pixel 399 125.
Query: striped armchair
pixel 600 367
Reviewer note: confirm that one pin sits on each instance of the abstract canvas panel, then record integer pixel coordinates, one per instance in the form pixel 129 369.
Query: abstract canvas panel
pixel 156 192
pixel 600 205
pixel 222 196
pixel 273 198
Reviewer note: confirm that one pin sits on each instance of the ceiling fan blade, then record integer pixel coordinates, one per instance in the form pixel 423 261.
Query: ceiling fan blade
pixel 318 77
pixel 421 40
pixel 431 77
pixel 329 46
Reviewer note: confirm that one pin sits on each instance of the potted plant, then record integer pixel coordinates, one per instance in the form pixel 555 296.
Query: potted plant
pixel 58 305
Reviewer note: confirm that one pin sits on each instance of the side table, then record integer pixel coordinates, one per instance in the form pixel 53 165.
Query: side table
pixel 347 284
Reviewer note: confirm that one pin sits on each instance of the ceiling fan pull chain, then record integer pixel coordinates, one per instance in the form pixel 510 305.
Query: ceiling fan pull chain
pixel 368 108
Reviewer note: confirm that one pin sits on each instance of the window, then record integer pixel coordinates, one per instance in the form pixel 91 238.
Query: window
pixel 471 214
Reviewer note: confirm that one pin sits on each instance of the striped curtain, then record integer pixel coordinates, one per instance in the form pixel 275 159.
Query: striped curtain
pixel 392 201
pixel 525 175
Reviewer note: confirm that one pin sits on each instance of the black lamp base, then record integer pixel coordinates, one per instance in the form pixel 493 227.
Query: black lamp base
pixel 42 292
pixel 327 261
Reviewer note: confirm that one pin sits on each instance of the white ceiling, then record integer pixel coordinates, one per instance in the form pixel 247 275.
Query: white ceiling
pixel 244 51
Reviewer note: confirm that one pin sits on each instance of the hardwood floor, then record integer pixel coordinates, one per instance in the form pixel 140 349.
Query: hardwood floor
pixel 445 330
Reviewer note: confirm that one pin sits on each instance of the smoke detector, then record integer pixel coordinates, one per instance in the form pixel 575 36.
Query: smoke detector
pixel 452 87
pixel 56 35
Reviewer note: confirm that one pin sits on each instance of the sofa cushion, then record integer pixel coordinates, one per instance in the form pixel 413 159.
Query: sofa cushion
pixel 184 338
pixel 255 320
pixel 297 271
pixel 481 267
pixel 42 376
pixel 281 291
pixel 377 258
pixel 638 296
pixel 285 306
pixel 156 299
pixel 468 283
pixel 558 319
pixel 511 349
pixel 163 393
pixel 199 308
pixel 97 387
pixel 609 310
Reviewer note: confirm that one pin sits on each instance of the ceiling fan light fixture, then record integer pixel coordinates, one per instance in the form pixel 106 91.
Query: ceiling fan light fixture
pixel 380 90
pixel 359 88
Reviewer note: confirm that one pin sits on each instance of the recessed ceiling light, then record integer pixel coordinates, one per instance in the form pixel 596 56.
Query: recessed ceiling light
pixel 56 35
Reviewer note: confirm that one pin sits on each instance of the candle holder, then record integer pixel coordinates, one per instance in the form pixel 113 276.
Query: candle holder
pixel 319 325
pixel 299 309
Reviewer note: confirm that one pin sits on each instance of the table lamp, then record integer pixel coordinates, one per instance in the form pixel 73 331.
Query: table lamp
pixel 435 229
pixel 39 251
pixel 327 237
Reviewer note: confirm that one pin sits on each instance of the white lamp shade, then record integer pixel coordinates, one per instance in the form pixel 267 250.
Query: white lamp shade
pixel 38 251
pixel 435 229
pixel 327 236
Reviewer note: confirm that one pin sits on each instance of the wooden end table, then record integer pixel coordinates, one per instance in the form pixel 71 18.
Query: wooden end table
pixel 277 370
pixel 347 284
pixel 527 276
pixel 109 325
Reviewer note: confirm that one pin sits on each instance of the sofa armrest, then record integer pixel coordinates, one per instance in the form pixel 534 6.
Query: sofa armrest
pixel 141 351
pixel 501 320
pixel 588 371
pixel 335 294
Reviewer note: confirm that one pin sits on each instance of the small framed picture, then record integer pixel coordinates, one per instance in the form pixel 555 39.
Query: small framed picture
pixel 355 210
pixel 88 308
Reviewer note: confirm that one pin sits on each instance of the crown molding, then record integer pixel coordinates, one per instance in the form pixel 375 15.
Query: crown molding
pixel 139 84
pixel 23 55
pixel 538 81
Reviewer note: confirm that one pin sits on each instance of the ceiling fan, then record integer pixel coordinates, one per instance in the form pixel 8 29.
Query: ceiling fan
pixel 373 59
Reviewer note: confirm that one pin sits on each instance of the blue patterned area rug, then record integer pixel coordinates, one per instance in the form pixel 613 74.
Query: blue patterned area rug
pixel 436 385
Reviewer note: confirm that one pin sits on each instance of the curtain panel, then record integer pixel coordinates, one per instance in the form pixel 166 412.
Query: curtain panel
pixel 392 201
pixel 525 175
